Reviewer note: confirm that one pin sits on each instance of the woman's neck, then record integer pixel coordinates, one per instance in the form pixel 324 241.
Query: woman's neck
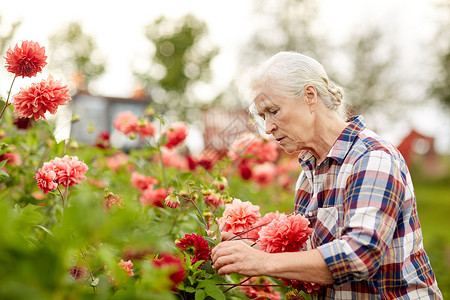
pixel 327 128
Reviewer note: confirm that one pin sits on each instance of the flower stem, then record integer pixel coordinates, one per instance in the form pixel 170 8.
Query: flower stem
pixel 244 232
pixel 7 99
pixel 233 285
pixel 199 212
pixel 64 205
pixel 89 268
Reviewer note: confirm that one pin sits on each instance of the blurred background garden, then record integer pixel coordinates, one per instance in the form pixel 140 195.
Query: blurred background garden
pixel 188 61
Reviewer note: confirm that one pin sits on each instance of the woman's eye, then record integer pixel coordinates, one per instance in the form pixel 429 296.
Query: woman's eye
pixel 273 112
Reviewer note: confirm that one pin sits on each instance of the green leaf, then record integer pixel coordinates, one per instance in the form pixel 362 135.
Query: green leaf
pixel 3 163
pixel 206 283
pixel 200 294
pixel 215 292
pixel 190 289
pixel 45 229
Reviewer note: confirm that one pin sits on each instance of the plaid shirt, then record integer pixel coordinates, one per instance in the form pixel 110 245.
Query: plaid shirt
pixel 360 202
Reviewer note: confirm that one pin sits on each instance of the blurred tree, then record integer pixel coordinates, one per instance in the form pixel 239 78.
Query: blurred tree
pixel 364 65
pixel 286 25
pixel 180 62
pixel 370 78
pixel 74 52
pixel 5 39
pixel 440 87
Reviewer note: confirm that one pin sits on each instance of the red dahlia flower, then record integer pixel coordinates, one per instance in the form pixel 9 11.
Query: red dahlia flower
pixel 27 60
pixel 176 134
pixel 41 97
pixel 194 245
pixel 307 287
pixel 174 263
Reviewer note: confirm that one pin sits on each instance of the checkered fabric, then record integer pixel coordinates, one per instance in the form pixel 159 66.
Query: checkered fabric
pixel 360 201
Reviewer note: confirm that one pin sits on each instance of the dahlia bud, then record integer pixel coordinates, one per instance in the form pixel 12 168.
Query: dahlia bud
pixel 294 295
pixel 184 193
pixel 172 201
pixel 206 192
pixel 149 111
pixel 91 128
pixel 75 118
pixel 220 183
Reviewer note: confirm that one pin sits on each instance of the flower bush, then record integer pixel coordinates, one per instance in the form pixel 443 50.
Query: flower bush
pixel 82 220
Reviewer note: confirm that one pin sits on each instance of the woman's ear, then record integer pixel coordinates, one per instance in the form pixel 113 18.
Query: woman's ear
pixel 310 94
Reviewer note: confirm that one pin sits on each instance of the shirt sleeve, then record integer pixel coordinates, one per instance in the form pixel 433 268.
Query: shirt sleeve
pixel 373 198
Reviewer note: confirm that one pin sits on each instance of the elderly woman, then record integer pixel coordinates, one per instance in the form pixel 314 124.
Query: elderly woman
pixel 355 189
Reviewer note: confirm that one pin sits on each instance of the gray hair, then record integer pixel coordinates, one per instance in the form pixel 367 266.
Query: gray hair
pixel 287 73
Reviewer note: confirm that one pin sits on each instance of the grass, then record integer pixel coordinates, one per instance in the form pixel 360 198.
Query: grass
pixel 433 205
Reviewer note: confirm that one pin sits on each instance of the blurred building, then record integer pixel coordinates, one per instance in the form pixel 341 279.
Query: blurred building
pixel 222 128
pixel 420 149
pixel 97 113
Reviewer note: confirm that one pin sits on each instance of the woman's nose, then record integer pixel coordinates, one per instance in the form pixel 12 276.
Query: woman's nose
pixel 270 126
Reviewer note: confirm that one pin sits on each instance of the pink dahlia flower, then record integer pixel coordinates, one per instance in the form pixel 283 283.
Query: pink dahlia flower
pixel 176 134
pixel 264 174
pixel 145 128
pixel 13 158
pixel 268 218
pixel 41 97
pixel 25 60
pixel 153 197
pixel 239 216
pixel 195 246
pixel 126 122
pixel 46 180
pixel 69 170
pixel 253 149
pixel 171 158
pixel 127 267
pixel 116 161
pixel 142 182
pixel 285 234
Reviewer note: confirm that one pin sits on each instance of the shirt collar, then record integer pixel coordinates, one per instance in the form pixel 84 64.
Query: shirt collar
pixel 341 146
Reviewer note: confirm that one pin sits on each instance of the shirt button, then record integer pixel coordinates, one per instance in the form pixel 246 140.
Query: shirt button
pixel 310 214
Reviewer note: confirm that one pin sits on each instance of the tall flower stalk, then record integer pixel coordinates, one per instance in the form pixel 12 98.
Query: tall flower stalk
pixel 7 99
pixel 25 60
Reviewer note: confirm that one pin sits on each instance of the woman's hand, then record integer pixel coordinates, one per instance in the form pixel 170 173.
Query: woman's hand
pixel 238 257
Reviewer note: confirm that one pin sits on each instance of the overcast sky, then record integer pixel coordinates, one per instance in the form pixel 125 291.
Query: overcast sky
pixel 118 27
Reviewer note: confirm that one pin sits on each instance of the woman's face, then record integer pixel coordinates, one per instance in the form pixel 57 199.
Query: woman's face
pixel 289 120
